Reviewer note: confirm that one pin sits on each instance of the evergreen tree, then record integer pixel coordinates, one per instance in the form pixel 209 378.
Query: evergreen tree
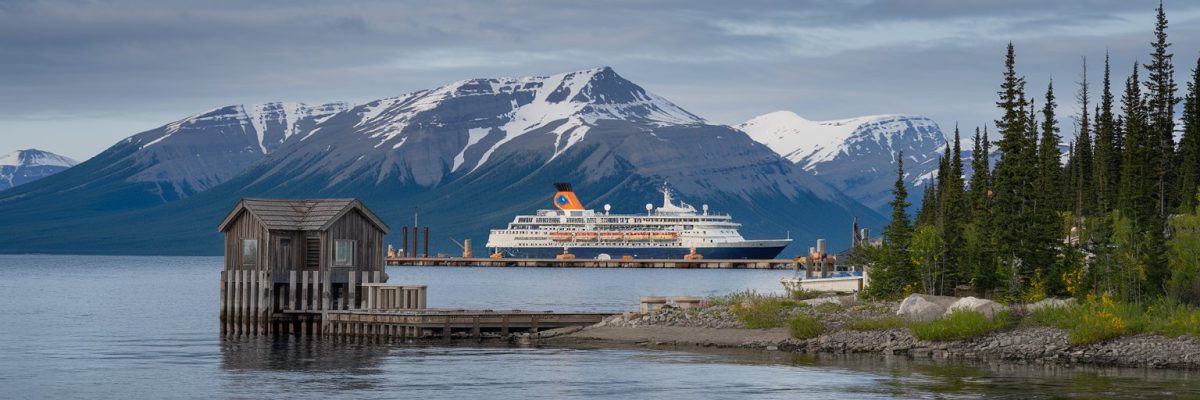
pixel 1140 233
pixel 1011 180
pixel 1084 201
pixel 979 234
pixel 953 216
pixel 1049 169
pixel 1160 112
pixel 1189 146
pixel 892 272
pixel 1106 168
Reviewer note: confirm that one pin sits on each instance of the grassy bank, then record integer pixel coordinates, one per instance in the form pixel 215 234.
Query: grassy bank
pixel 1099 320
pixel 1086 322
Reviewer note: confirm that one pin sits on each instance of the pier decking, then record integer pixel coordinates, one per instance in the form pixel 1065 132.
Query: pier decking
pixel 591 263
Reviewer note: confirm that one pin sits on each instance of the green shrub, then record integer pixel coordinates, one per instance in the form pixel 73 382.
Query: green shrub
pixel 804 326
pixel 877 324
pixel 1099 320
pixel 761 312
pixel 803 294
pixel 959 325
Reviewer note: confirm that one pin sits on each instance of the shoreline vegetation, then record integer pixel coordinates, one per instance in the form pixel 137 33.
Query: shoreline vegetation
pixel 1097 332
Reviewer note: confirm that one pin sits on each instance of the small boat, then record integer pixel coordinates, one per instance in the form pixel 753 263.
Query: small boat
pixel 585 236
pixel 561 236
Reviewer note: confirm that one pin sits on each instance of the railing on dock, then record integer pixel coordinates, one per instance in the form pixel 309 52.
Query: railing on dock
pixel 253 303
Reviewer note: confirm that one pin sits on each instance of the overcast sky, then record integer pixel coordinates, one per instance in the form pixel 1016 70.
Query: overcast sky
pixel 76 76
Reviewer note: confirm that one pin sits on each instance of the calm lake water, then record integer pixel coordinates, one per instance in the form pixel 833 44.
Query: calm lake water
pixel 146 327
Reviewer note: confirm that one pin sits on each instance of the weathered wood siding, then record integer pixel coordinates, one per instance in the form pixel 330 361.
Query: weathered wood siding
pixel 368 252
pixel 245 227
pixel 286 258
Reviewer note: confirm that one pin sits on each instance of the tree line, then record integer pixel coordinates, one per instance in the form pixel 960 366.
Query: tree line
pixel 1119 218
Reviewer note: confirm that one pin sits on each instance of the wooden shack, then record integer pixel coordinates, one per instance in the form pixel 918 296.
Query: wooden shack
pixel 298 255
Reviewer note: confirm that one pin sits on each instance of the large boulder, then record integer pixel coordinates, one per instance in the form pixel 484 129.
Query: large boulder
pixel 1048 303
pixel 983 306
pixel 921 307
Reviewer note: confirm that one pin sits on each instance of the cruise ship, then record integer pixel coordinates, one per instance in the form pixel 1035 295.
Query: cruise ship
pixel 669 231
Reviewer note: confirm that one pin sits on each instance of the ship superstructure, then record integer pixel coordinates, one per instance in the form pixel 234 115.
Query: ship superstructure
pixel 670 231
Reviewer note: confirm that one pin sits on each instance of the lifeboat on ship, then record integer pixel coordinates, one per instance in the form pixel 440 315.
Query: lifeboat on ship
pixel 637 236
pixel 585 236
pixel 664 236
pixel 561 236
pixel 612 236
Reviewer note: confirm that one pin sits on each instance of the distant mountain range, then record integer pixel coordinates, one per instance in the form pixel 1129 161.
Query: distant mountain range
pixel 24 166
pixel 467 156
pixel 857 155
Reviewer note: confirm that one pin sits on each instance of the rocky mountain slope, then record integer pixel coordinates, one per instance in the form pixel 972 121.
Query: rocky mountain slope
pixel 856 155
pixel 469 155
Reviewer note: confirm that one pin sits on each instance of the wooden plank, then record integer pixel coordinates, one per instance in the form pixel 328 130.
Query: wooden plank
pixel 304 291
pixel 350 285
pixel 291 290
pixel 326 288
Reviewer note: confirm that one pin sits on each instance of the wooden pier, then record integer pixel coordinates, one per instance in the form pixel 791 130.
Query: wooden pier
pixel 591 263
pixel 309 304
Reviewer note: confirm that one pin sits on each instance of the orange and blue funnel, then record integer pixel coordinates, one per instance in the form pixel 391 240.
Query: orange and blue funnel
pixel 565 198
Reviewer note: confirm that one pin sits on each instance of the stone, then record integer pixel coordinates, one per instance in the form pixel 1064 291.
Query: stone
pixel 919 307
pixel 983 306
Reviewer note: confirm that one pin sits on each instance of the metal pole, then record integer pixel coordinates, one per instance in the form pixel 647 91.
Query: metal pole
pixel 426 252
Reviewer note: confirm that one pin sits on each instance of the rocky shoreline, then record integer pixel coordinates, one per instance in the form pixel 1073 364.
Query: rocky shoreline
pixel 717 326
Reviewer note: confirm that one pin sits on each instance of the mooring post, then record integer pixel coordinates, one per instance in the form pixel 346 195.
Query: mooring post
pixel 223 303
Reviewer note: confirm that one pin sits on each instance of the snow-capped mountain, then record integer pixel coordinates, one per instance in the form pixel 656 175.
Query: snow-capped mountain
pixel 426 136
pixel 469 155
pixel 24 166
pixel 856 155
pixel 201 151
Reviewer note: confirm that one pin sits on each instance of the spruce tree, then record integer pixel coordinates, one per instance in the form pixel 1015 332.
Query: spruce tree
pixel 1084 201
pixel 953 216
pixel 1189 146
pixel 1160 112
pixel 1106 168
pixel 979 233
pixel 896 271
pixel 1049 169
pixel 1141 231
pixel 1011 179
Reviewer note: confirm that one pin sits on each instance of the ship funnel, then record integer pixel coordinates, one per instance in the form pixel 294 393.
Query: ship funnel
pixel 565 198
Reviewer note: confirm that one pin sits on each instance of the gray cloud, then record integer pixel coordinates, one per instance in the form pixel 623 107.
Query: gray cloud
pixel 77 76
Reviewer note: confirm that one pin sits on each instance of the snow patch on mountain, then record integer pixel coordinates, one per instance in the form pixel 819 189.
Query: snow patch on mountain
pixel 855 155
pixel 810 143
pixel 271 123
pixel 566 105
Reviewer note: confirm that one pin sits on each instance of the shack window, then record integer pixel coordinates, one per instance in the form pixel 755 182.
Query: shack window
pixel 249 253
pixel 343 253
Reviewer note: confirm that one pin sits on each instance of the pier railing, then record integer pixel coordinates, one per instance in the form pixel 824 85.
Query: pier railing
pixel 251 301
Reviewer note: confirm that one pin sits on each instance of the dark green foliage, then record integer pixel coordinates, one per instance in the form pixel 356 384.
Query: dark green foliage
pixel 1189 146
pixel 1107 165
pixel 1160 113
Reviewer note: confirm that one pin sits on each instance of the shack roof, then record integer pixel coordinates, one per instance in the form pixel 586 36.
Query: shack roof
pixel 300 215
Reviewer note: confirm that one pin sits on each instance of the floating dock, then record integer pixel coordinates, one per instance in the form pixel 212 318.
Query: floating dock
pixel 592 263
